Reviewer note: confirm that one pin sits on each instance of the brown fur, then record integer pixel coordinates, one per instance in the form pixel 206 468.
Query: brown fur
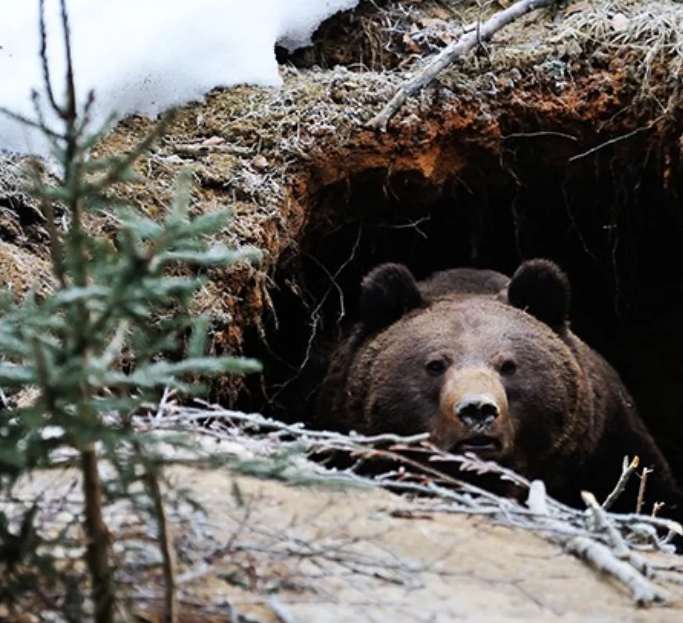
pixel 459 281
pixel 561 412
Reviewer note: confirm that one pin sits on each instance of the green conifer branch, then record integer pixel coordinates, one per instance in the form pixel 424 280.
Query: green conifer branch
pixel 109 302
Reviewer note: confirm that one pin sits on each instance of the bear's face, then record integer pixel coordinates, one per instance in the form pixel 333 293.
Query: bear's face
pixel 478 375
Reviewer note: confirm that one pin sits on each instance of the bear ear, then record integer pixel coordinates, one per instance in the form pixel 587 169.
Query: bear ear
pixel 388 292
pixel 540 288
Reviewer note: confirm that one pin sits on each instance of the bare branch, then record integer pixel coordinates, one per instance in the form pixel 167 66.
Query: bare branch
pixel 627 470
pixel 163 535
pixel 602 523
pixel 641 489
pixel 97 554
pixel 600 557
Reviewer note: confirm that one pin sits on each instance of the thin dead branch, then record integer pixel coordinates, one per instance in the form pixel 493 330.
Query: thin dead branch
pixel 627 470
pixel 453 52
pixel 641 489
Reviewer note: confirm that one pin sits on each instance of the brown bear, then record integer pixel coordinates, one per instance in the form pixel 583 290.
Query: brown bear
pixel 488 364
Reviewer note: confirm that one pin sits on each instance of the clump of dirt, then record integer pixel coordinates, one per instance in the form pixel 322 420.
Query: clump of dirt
pixel 24 253
pixel 22 271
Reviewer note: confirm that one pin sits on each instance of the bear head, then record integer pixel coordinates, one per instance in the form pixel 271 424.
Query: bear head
pixel 480 371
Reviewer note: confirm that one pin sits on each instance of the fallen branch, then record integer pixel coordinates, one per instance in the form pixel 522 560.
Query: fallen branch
pixel 602 523
pixel 602 558
pixel 453 52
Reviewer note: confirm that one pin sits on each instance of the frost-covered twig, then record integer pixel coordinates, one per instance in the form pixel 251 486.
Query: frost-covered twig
pixel 627 470
pixel 641 489
pixel 254 428
pixel 602 523
pixel 187 415
pixel 602 558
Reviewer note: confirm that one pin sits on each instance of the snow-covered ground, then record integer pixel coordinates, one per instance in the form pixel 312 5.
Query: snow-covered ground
pixel 142 56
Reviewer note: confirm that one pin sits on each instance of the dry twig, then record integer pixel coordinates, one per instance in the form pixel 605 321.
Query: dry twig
pixel 602 558
pixel 641 489
pixel 627 470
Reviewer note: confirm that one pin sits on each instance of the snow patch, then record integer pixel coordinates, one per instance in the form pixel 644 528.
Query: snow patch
pixel 144 56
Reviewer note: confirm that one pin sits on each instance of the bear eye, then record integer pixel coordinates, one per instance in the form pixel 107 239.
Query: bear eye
pixel 435 367
pixel 508 368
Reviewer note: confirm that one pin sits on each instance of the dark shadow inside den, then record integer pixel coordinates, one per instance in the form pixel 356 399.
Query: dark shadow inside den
pixel 611 219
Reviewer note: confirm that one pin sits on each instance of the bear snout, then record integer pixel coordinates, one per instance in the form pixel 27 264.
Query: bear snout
pixel 477 411
pixel 473 413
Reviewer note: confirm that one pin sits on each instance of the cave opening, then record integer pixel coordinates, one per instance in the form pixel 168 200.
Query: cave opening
pixel 611 218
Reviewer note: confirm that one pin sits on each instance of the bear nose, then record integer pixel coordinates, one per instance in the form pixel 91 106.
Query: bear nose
pixel 477 411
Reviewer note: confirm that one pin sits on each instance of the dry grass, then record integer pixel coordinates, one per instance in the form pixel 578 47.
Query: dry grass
pixel 10 182
pixel 400 34
pixel 23 259
pixel 651 33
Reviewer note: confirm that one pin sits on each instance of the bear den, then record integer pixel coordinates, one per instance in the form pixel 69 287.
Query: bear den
pixel 489 365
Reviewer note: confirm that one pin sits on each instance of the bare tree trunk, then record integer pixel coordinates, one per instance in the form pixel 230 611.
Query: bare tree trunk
pixel 97 553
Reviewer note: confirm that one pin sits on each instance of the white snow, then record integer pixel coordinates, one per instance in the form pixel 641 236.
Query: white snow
pixel 143 56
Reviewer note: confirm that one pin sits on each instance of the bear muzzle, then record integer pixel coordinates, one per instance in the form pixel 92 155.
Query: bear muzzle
pixel 473 414
pixel 478 413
